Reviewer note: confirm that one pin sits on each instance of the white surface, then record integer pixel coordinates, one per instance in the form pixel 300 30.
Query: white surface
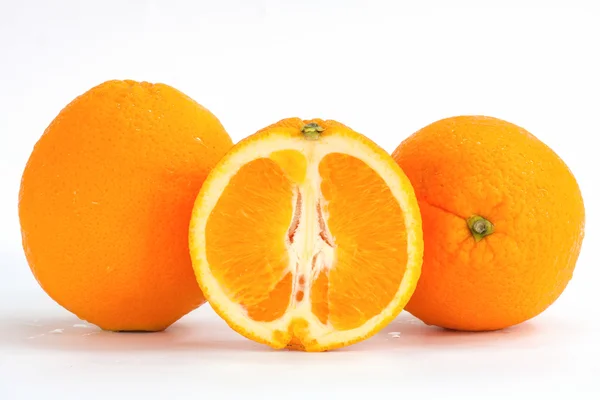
pixel 200 357
pixel 384 69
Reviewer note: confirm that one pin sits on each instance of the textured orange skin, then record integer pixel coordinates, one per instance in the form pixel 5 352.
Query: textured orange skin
pixel 479 165
pixel 106 199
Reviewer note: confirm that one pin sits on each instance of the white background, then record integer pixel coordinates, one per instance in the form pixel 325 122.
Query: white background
pixel 384 68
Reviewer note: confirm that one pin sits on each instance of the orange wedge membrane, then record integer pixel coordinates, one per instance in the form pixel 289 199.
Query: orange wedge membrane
pixel 312 242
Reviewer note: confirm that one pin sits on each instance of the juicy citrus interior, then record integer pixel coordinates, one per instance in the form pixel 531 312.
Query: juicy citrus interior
pixel 310 243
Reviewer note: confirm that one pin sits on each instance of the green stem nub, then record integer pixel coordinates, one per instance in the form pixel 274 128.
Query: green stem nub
pixel 479 227
pixel 312 131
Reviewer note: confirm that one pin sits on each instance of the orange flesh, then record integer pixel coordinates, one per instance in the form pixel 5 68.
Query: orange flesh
pixel 368 226
pixel 246 232
pixel 357 215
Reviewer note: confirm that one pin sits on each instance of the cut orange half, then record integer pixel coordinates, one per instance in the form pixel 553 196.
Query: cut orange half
pixel 307 235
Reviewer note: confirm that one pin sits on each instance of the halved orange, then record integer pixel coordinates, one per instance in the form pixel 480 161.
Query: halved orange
pixel 307 235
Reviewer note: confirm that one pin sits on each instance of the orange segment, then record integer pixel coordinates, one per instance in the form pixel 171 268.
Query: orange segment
pixel 244 236
pixel 307 235
pixel 320 297
pixel 292 162
pixel 368 226
pixel 276 303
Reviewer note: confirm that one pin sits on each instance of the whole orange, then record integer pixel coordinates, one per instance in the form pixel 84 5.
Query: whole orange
pixel 503 222
pixel 106 199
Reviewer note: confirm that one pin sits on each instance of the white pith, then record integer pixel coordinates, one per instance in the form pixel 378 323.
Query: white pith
pixel 307 241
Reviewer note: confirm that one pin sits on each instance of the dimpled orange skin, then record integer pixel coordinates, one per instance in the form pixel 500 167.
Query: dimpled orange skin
pixel 106 199
pixel 473 165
